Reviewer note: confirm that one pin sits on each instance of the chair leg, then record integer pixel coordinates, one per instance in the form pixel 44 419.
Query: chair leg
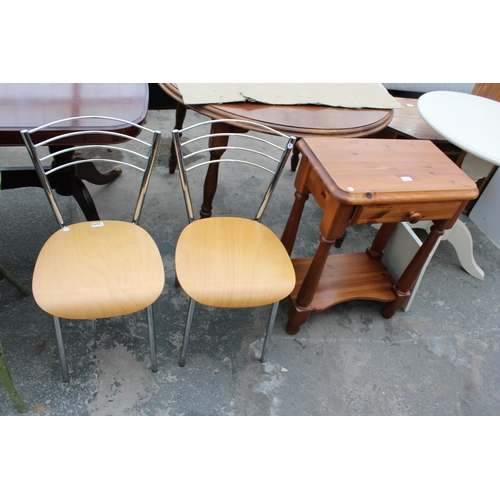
pixel 187 331
pixel 270 325
pixel 152 339
pixel 60 347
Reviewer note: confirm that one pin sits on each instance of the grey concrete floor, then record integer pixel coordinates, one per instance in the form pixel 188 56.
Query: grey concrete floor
pixel 440 358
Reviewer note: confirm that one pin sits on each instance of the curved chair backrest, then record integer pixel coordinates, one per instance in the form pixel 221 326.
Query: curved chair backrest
pixel 253 148
pixel 92 135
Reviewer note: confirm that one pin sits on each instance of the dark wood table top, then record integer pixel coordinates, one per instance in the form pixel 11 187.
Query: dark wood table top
pixel 28 105
pixel 409 123
pixel 298 120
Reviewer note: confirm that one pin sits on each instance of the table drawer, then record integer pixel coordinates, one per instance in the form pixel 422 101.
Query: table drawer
pixel 404 212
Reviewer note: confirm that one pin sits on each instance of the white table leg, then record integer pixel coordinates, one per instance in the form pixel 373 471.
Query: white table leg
pixel 461 239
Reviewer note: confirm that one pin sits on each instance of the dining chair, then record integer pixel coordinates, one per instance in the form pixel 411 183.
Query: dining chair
pixel 227 261
pixel 97 269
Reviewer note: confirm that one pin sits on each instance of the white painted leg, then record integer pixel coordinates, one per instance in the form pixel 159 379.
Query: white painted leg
pixel 461 239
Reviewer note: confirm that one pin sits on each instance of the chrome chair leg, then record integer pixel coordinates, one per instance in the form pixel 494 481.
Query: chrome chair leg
pixel 187 331
pixel 60 348
pixel 152 339
pixel 270 325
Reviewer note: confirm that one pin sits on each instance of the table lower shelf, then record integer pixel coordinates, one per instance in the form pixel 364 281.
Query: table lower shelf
pixel 346 277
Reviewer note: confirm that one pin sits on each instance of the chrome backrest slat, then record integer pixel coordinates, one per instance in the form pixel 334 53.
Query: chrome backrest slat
pixel 148 141
pixel 183 154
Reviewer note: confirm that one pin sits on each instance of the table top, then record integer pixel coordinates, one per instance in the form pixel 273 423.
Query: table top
pixel 408 122
pixel 468 121
pixel 28 105
pixel 297 120
pixel 376 171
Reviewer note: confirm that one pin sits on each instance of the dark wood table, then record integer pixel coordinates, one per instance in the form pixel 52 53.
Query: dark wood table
pixel 298 121
pixel 25 106
pixel 368 181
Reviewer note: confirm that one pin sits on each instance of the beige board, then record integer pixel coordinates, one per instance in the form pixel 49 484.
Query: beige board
pixel 345 95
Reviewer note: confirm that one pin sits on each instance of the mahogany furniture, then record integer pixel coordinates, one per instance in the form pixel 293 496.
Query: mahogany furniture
pixel 297 121
pixel 368 181
pixel 27 105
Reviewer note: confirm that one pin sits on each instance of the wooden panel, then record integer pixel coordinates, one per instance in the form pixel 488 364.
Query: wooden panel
pixel 372 214
pixel 347 277
pixel 489 90
pixel 408 123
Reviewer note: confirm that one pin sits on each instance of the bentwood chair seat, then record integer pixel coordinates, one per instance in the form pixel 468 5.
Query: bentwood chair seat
pixel 92 271
pixel 227 261
pixel 211 272
pixel 105 268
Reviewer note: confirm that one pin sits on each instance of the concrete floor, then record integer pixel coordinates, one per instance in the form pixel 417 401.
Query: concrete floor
pixel 440 358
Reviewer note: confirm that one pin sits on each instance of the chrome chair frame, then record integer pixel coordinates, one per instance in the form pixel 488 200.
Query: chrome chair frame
pixel 184 169
pixel 43 175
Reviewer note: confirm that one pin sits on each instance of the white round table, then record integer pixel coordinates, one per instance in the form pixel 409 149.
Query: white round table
pixel 468 121
pixel 471 123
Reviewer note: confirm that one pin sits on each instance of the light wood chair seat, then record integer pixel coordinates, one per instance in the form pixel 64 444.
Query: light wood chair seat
pixel 233 262
pixel 96 270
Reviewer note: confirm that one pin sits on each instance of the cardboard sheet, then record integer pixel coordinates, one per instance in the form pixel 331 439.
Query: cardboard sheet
pixel 344 95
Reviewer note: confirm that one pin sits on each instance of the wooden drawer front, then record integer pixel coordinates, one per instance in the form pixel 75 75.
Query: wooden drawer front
pixel 372 214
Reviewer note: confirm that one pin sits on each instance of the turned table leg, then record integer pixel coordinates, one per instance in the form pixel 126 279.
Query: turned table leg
pixel 300 308
pixel 292 225
pixel 294 160
pixel 211 179
pixel 332 226
pixel 410 275
pixel 180 115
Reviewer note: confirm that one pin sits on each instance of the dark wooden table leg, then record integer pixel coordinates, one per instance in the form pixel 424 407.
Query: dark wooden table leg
pixel 300 308
pixel 332 226
pixel 68 183
pixel 180 115
pixel 376 250
pixel 410 275
pixel 211 179
pixel 82 196
pixel 88 172
pixel 294 160
pixel 292 225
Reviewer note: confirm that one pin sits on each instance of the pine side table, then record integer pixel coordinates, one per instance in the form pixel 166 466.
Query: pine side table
pixel 368 181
